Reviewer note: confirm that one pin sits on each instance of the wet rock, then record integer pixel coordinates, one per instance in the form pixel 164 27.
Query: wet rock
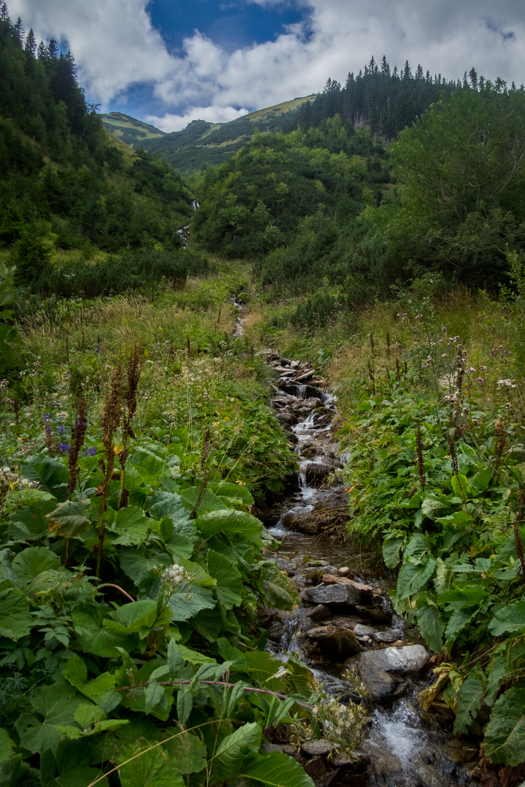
pixel 364 631
pixel 340 643
pixel 286 565
pixel 333 595
pixel 347 622
pixel 375 614
pixel 316 472
pixel 317 748
pixel 318 613
pixel 381 670
pixel 286 748
pixel 356 762
pixel 344 571
pixel 366 591
pixel 316 573
pixel 276 631
pixel 301 522
pixel 286 416
pixel 386 636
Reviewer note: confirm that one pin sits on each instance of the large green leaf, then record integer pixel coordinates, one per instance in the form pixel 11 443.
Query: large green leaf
pixel 461 486
pixel 54 707
pixel 15 773
pixel 185 604
pixel 76 673
pixel 482 479
pixel 229 582
pixel 132 527
pixel 233 749
pixel 51 475
pixel 29 523
pixel 153 768
pixel 6 745
pixel 508 619
pixel 505 732
pixel 232 494
pixel 413 576
pixel 93 638
pixel 468 703
pixel 15 616
pixel 391 551
pixel 137 617
pixel 275 770
pixel 187 750
pixel 179 537
pixel 228 521
pixel 277 588
pixel 431 626
pixel 459 619
pixel 31 562
pixel 70 519
pixel 137 564
pixel 208 501
pixel 167 504
pixel 69 767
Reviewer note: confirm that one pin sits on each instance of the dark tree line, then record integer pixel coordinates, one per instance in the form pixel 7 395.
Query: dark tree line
pixel 387 100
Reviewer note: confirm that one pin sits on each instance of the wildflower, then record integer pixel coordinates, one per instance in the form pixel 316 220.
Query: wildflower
pixel 176 575
pixel 64 447
pixel 480 380
pixel 46 417
pixel 506 384
pixel 61 429
pixel 470 369
pixel 444 355
pixel 90 451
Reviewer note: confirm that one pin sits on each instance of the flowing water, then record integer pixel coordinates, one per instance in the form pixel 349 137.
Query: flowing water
pixel 402 747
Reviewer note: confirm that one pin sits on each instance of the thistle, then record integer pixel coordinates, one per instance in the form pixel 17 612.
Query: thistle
pixel 372 378
pixel 453 454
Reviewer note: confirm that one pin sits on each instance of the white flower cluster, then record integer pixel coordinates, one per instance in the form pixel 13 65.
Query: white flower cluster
pixel 10 480
pixel 176 575
pixel 506 384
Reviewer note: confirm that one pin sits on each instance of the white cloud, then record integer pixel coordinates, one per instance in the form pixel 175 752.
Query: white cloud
pixel 116 46
pixel 212 114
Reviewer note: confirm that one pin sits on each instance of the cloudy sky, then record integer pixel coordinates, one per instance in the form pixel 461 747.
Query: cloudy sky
pixel 171 61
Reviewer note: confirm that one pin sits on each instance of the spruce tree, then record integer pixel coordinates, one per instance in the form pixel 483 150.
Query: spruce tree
pixel 30 45
pixel 4 13
pixel 19 31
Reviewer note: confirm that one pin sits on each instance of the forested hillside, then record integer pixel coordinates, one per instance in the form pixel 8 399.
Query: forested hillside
pixel 68 191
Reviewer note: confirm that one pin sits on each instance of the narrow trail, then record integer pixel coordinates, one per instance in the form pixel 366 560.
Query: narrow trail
pixel 345 618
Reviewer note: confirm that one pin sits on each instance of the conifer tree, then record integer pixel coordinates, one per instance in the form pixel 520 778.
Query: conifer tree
pixel 19 31
pixel 30 45
pixel 4 13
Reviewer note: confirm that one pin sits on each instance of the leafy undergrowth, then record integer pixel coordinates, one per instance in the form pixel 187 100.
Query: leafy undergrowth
pixel 135 442
pixel 434 422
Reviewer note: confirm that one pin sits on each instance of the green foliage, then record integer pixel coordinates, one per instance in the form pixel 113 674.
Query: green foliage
pixel 437 475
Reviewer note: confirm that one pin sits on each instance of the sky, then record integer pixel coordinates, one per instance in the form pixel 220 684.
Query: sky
pixel 169 62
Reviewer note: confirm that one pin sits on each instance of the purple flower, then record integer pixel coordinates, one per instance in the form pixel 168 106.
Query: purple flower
pixel 48 430
pixel 46 417
pixel 61 429
pixel 64 447
pixel 90 451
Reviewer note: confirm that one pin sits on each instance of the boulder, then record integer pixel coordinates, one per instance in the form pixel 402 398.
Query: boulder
pixel 382 671
pixel 364 631
pixel 316 748
pixel 301 522
pixel 286 416
pixel 339 643
pixel 316 472
pixel 376 614
pixel 366 591
pixel 333 595
pixel 318 614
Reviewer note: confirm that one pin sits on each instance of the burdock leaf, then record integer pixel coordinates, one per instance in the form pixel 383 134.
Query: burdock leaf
pixel 70 520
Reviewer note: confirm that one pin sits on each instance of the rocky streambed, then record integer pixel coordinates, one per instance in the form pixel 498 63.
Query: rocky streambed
pixel 345 620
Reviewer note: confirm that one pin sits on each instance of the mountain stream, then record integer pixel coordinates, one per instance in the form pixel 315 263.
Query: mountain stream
pixel 345 618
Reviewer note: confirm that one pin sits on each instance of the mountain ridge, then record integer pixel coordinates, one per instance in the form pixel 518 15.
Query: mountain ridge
pixel 203 143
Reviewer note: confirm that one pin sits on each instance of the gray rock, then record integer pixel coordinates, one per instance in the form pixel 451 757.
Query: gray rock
pixel 340 643
pixel 318 613
pixel 386 636
pixel 333 595
pixel 285 416
pixel 364 631
pixel 376 614
pixel 356 762
pixel 317 748
pixel 380 670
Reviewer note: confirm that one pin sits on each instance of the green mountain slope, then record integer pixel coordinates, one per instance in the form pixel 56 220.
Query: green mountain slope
pixel 202 144
pixel 130 130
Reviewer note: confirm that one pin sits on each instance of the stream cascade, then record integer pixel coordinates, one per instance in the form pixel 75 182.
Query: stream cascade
pixel 345 619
